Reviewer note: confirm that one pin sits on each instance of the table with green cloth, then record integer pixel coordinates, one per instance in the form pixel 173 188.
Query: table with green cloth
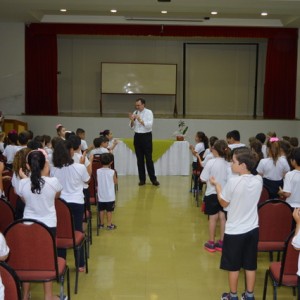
pixel 170 157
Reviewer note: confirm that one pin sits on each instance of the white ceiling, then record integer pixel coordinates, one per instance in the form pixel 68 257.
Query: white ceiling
pixel 282 13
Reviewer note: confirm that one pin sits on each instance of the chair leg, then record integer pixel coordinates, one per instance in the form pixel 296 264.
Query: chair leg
pixel 271 255
pixel 278 255
pixel 86 257
pixel 90 228
pixel 265 285
pixel 298 288
pixel 197 196
pixel 274 292
pixel 98 221
pixel 77 260
pixel 68 283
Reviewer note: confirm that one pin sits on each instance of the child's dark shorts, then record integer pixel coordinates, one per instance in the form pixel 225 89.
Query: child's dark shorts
pixel 108 206
pixel 212 205
pixel 240 251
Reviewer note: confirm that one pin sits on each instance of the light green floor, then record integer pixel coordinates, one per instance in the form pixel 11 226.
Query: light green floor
pixel 156 253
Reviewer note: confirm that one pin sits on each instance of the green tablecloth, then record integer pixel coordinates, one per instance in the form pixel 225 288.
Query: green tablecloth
pixel 159 147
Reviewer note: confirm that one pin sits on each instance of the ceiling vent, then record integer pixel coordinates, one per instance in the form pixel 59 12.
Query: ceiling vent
pixel 165 20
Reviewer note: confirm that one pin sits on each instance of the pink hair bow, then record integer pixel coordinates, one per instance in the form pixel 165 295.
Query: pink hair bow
pixel 274 139
pixel 58 125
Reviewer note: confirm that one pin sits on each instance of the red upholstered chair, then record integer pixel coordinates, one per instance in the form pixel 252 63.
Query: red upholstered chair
pixel 6 183
pixel 93 190
pixel 11 282
pixel 33 254
pixel 283 273
pixel 96 164
pixel 264 196
pixel 275 224
pixel 7 214
pixel 69 238
pixel 12 197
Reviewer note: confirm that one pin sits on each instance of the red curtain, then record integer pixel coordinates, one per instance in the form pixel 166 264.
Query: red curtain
pixel 280 79
pixel 41 74
pixel 281 61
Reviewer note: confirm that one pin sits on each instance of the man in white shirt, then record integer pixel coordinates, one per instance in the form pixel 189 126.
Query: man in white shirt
pixel 141 122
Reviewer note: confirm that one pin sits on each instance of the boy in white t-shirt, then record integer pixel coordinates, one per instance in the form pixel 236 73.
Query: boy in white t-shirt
pixel 106 178
pixel 241 195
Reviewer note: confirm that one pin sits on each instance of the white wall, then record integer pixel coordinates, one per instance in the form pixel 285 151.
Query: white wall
pixel 12 70
pixel 229 90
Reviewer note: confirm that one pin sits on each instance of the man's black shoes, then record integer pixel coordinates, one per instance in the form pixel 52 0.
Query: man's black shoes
pixel 142 183
pixel 156 183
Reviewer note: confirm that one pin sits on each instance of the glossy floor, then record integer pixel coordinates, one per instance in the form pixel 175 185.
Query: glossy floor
pixel 156 253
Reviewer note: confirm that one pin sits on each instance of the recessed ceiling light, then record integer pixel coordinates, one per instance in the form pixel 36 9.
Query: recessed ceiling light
pixel 214 12
pixel 113 11
pixel 164 12
pixel 63 10
pixel 264 14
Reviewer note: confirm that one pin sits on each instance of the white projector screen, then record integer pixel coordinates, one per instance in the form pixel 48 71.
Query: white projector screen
pixel 138 78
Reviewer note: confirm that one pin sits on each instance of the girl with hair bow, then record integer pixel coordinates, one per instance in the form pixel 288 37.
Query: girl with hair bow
pixel 273 168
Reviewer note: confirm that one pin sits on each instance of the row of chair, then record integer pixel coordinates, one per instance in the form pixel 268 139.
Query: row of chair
pixel 28 250
pixel 276 230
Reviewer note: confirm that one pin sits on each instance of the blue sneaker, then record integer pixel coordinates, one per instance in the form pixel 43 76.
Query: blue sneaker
pixel 227 296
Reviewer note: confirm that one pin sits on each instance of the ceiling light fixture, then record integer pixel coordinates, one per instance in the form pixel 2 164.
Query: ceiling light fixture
pixel 264 14
pixel 214 12
pixel 113 11
pixel 164 12
pixel 63 10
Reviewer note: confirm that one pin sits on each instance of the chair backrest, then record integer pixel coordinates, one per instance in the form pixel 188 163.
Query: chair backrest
pixel 264 196
pixel 11 282
pixel 6 186
pixel 65 224
pixel 32 246
pixel 289 264
pixel 12 197
pixel 96 164
pixel 92 186
pixel 7 214
pixel 275 219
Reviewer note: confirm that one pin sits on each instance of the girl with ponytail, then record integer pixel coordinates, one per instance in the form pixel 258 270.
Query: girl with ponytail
pixel 39 192
pixel 273 168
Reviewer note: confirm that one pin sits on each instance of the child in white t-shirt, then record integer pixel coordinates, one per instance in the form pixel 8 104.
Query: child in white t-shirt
pixel 217 167
pixel 199 149
pixel 101 145
pixel 291 186
pixel 4 250
pixel 106 178
pixel 11 149
pixel 273 168
pixel 240 195
pixel 112 143
pixel 39 192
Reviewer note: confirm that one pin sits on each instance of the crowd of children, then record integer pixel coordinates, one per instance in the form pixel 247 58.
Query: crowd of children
pixel 44 169
pixel 235 175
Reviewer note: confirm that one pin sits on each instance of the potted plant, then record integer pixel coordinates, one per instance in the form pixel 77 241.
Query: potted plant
pixel 182 130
